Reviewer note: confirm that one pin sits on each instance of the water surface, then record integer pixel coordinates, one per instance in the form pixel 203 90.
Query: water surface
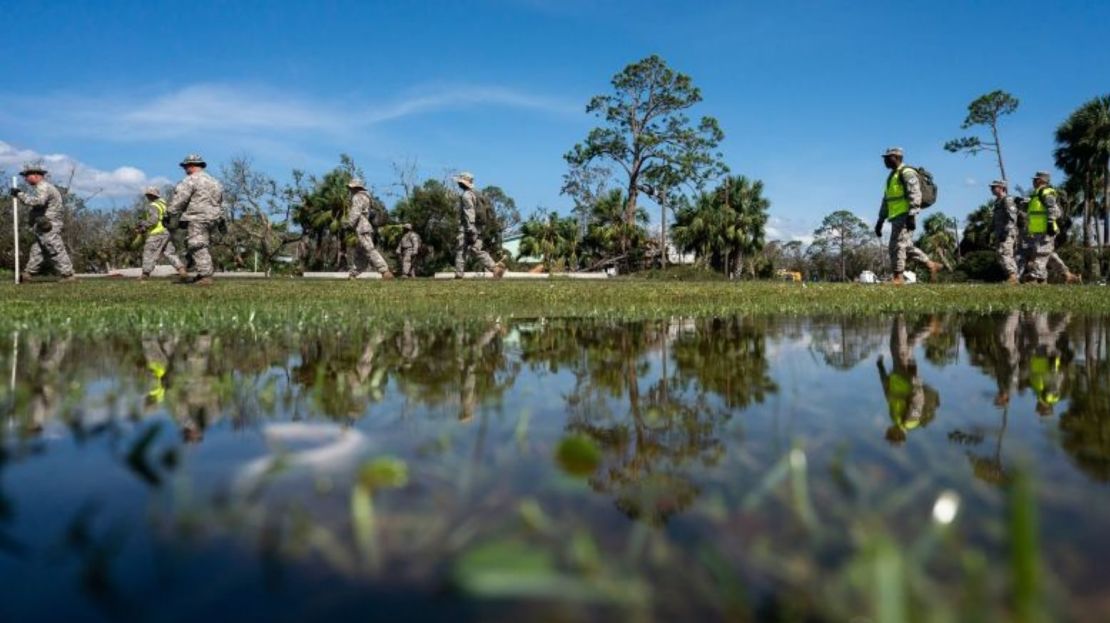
pixel 736 468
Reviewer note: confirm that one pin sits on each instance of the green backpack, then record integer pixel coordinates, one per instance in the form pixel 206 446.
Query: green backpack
pixel 928 186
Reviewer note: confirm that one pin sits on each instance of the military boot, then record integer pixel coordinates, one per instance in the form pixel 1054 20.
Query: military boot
pixel 182 273
pixel 898 279
pixel 499 271
pixel 203 281
pixel 68 279
pixel 934 268
pixel 1072 278
pixel 1013 280
pixel 388 276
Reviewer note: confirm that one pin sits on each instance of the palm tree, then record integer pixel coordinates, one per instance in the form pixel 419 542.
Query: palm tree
pixel 1083 152
pixel 939 237
pixel 550 237
pixel 725 226
pixel 609 237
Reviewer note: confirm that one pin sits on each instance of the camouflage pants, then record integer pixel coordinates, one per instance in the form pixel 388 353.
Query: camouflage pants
pixel 48 247
pixel 364 252
pixel 156 246
pixel 198 239
pixel 1054 262
pixel 1007 242
pixel 901 246
pixel 407 268
pixel 1038 249
pixel 468 241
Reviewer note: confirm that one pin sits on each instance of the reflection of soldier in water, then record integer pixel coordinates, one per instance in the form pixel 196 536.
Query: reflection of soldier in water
pixel 1044 369
pixel 911 403
pixel 408 345
pixel 1007 364
pixel 46 356
pixel 469 359
pixel 157 353
pixel 196 404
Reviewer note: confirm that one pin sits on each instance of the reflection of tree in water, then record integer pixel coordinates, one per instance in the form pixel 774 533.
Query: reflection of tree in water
pixel 1085 424
pixel 844 342
pixel 670 425
pixel 464 365
pixel 942 342
pixel 342 372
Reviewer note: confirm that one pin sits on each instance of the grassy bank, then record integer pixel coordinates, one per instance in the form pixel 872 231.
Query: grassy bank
pixel 290 304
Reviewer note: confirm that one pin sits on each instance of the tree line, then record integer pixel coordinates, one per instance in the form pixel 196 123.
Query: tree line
pixel 645 146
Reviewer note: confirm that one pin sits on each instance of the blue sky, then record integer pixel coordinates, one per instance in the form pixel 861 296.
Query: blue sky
pixel 808 93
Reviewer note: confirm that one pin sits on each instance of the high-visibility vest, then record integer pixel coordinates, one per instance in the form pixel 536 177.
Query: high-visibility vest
pixel 157 392
pixel 897 203
pixel 1038 211
pixel 898 400
pixel 1042 378
pixel 158 228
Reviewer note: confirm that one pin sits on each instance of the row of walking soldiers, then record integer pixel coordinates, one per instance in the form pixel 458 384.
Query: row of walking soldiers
pixel 1025 230
pixel 197 207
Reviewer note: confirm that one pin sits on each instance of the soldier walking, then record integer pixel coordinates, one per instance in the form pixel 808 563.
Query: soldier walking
pixel 469 241
pixel 358 219
pixel 44 204
pixel 901 204
pixel 407 250
pixel 1042 216
pixel 1004 219
pixel 198 199
pixel 159 243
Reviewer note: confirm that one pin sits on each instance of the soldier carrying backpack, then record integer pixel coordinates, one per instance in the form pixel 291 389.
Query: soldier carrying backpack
pixel 908 191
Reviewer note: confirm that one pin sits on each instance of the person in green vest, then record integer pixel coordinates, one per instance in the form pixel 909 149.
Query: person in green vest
pixel 901 204
pixel 158 243
pixel 1045 367
pixel 1042 215
pixel 910 402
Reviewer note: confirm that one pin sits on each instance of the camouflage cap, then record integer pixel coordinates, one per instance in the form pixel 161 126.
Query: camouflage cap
pixel 465 178
pixel 1044 176
pixel 356 182
pixel 407 227
pixel 32 168
pixel 194 159
pixel 152 191
pixel 1000 183
pixel 893 151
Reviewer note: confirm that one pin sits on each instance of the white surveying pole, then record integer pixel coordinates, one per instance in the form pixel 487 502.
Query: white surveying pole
pixel 15 228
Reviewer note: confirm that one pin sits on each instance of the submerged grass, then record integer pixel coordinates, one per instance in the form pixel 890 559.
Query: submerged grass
pixel 288 304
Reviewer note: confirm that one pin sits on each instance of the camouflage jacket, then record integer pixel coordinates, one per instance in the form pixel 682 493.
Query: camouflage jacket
pixel 200 197
pixel 43 200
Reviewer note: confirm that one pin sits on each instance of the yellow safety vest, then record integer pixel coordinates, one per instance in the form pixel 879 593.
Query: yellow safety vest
pixel 159 228
pixel 157 392
pixel 1038 211
pixel 1042 370
pixel 898 400
pixel 896 202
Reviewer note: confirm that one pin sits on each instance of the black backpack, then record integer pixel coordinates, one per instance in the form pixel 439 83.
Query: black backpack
pixel 928 186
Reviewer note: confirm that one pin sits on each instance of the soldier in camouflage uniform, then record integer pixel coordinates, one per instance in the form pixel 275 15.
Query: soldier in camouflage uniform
pixel 1004 218
pixel 44 204
pixel 198 199
pixel 901 204
pixel 469 239
pixel 407 250
pixel 158 240
pixel 358 219
pixel 1042 213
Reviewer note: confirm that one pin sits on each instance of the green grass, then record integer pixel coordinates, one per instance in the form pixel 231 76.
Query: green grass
pixel 288 304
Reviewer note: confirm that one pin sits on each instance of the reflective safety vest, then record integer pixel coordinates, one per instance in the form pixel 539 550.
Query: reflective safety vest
pixel 897 203
pixel 899 396
pixel 1042 378
pixel 1038 211
pixel 158 228
pixel 157 392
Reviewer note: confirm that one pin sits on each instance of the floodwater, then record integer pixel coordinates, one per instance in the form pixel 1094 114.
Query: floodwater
pixel 862 468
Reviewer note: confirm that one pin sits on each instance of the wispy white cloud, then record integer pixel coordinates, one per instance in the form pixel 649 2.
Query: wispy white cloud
pixel 787 230
pixel 86 180
pixel 251 110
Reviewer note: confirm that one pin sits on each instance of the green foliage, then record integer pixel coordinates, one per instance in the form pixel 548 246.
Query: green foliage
pixel 647 134
pixel 319 210
pixel 609 237
pixel 985 110
pixel 978 230
pixel 578 455
pixel 938 237
pixel 552 238
pixel 725 227
pixel 980 266
pixel 840 241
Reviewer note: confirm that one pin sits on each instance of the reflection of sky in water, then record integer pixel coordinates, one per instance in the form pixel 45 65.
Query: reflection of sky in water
pixel 475 416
